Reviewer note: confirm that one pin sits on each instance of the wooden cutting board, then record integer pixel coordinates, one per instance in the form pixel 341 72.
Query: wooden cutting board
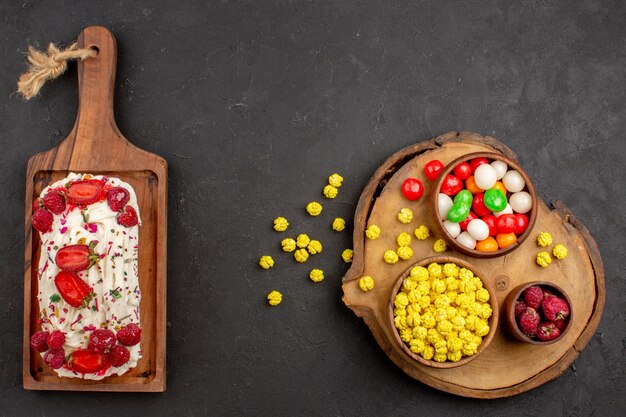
pixel 96 146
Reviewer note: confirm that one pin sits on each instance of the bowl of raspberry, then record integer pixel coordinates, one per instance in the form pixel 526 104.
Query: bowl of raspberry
pixel 538 312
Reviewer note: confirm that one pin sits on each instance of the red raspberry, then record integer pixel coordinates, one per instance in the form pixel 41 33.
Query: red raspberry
pixel 117 197
pixel 520 306
pixel 54 201
pixel 118 356
pixel 533 296
pixel 528 322
pixel 37 204
pixel 129 335
pixel 102 340
pixel 42 220
pixel 56 340
pixel 554 308
pixel 128 217
pixel 55 358
pixel 559 323
pixel 39 341
pixel 548 331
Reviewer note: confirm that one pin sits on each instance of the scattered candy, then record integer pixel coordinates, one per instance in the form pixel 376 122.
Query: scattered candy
pixel 543 259
pixel 404 239
pixel 372 232
pixel 485 176
pixel 347 255
pixel 339 224
pixel 280 224
pixel 316 275
pixel 301 255
pixel 335 180
pixel 422 232
pixel 366 283
pixel 444 203
pixel 544 239
pixel 266 262
pixel 314 208
pixel 302 241
pixel 453 229
pixel 289 245
pixel 390 257
pixel 274 298
pixel 433 169
pixel 412 189
pixel 405 216
pixel 404 252
pixel 330 192
pixel 466 240
pixel 478 229
pixel 513 181
pixel 560 251
pixel 440 246
pixel 314 247
pixel 521 202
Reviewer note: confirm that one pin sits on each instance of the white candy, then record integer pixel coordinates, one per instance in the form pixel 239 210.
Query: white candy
pixel 500 167
pixel 513 181
pixel 507 210
pixel 465 239
pixel 485 177
pixel 478 229
pixel 444 203
pixel 521 202
pixel 453 229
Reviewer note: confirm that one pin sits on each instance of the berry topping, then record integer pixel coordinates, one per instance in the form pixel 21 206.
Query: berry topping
pixel 39 341
pixel 555 308
pixel 533 296
pixel 88 361
pixel 128 217
pixel 76 258
pixel 42 220
pixel 560 324
pixel 118 356
pixel 102 340
pixel 37 204
pixel 83 192
pixel 129 335
pixel 548 331
pixel 117 197
pixel 54 358
pixel 56 340
pixel 74 290
pixel 528 322
pixel 54 201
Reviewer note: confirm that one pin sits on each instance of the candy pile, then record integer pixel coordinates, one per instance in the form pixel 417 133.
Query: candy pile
pixel 540 314
pixel 442 312
pixel 482 203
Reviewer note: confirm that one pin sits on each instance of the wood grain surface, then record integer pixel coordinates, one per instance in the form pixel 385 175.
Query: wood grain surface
pixel 96 146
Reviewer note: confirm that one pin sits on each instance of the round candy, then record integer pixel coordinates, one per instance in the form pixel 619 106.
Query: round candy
pixel 466 240
pixel 476 162
pixel 464 197
pixel 498 185
pixel 505 240
pixel 471 216
pixel 487 245
pixel 495 200
pixel 451 185
pixel 491 221
pixel 521 202
pixel 513 181
pixel 478 205
pixel 433 169
pixel 471 186
pixel 478 229
pixel 412 188
pixel 485 176
pixel 506 223
pixel 443 205
pixel 463 171
pixel 452 228
pixel 500 167
pixel 506 210
pixel 521 223
pixel 458 212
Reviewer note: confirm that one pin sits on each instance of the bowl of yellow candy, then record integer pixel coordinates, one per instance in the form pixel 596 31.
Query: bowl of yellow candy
pixel 442 312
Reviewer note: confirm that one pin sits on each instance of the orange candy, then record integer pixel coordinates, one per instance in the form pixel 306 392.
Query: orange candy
pixel 506 239
pixel 471 186
pixel 499 186
pixel 487 245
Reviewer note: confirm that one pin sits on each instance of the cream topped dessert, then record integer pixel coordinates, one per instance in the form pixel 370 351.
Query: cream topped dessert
pixel 88 277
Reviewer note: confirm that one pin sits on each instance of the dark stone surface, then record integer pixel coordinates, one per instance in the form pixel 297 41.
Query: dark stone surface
pixel 253 104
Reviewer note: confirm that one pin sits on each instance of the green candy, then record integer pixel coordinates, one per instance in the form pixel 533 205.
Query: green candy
pixel 495 200
pixel 465 197
pixel 458 212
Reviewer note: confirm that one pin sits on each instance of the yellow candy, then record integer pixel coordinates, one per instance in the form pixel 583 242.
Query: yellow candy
pixel 440 246
pixel 544 239
pixel 314 208
pixel 420 332
pixel 339 224
pixel 274 298
pixel 543 259
pixel 422 232
pixel 409 285
pixel 435 270
pixel 266 262
pixel 482 295
pixel 405 335
pixel 404 239
pixel 372 232
pixel 417 346
pixel 289 245
pixel 335 180
pixel 419 273
pixel 405 252
pixel 560 251
pixel 440 357
pixel 454 356
pixel 330 191
pixel 451 270
pixel 390 257
pixel 366 283
pixel 347 255
pixel 280 224
pixel 301 255
pixel 405 215
pixel 303 241
pixel 316 275
pixel 428 352
pixel 401 300
pixel 314 247
pixel 466 274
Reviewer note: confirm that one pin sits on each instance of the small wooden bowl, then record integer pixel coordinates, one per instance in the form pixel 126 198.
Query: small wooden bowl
pixel 493 320
pixel 508 309
pixel 532 215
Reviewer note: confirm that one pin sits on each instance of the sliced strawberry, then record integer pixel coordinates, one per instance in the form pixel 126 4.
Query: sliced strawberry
pixel 88 362
pixel 128 217
pixel 42 220
pixel 54 201
pixel 117 197
pixel 76 258
pixel 83 192
pixel 74 290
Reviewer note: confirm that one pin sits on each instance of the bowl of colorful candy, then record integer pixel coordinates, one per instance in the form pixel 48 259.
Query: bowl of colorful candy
pixel 485 204
pixel 442 312
pixel 537 312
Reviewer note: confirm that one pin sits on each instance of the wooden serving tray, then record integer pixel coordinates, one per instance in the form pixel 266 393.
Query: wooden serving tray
pixel 96 146
pixel 506 367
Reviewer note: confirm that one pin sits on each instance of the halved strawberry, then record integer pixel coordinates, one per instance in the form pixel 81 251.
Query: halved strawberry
pixel 54 201
pixel 74 290
pixel 87 362
pixel 77 258
pixel 83 192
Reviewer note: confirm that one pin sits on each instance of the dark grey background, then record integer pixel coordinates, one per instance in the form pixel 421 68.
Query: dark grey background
pixel 253 104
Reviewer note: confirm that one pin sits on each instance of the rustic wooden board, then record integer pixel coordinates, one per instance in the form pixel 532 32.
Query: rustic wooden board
pixel 506 367
pixel 96 146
